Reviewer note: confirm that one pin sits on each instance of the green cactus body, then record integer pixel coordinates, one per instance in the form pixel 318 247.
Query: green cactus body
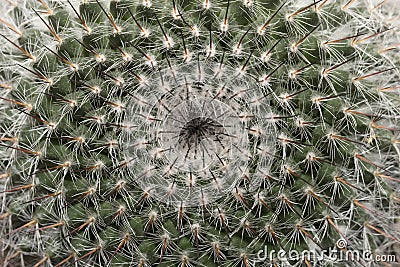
pixel 197 133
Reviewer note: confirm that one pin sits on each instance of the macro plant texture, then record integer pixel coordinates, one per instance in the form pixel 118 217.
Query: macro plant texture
pixel 197 132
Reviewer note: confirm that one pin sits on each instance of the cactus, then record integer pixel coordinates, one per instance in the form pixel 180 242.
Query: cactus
pixel 197 133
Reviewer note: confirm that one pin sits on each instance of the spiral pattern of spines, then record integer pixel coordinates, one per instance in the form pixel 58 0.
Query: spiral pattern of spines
pixel 318 79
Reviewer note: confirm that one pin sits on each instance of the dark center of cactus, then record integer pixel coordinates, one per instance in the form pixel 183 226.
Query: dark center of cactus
pixel 199 135
pixel 195 131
